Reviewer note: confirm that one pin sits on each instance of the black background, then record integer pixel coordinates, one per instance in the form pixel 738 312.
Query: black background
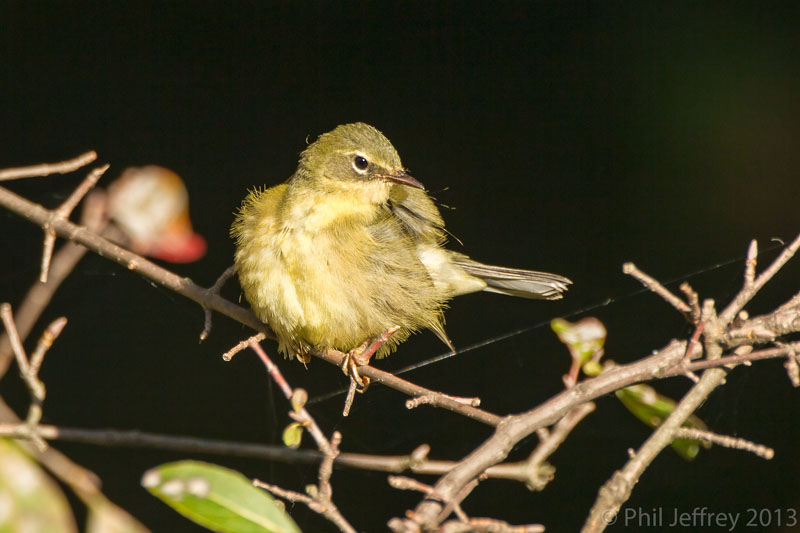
pixel 568 137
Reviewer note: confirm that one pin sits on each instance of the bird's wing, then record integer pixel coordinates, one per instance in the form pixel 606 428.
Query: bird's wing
pixel 419 216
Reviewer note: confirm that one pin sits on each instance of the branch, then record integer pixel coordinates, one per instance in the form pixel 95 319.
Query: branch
pixel 656 287
pixel 64 262
pixel 187 288
pixel 63 212
pixel 29 369
pixel 617 490
pixel 751 287
pixel 319 497
pixel 84 483
pixel 725 441
pixel 669 359
pixel 45 169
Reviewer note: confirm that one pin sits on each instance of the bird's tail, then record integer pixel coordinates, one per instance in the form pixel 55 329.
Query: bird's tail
pixel 516 281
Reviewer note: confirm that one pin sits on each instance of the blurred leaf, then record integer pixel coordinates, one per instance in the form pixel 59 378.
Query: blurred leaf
pixel 293 435
pixel 105 517
pixel 150 205
pixel 217 498
pixel 584 338
pixel 653 408
pixel 30 500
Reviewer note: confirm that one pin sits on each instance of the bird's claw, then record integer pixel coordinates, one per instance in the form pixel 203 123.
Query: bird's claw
pixel 361 355
pixel 350 365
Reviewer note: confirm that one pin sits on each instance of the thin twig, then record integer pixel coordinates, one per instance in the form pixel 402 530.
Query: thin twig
pixel 533 471
pixel 658 288
pixel 791 364
pixel 416 462
pixel 693 299
pixel 551 442
pixel 320 496
pixel 726 441
pixel 750 290
pixel 352 388
pixel 228 356
pixel 214 289
pixel 289 495
pixel 407 483
pixel 45 169
pixel 45 342
pixel 737 359
pixel 35 386
pixel 428 399
pixel 62 212
pixel 302 413
pixel 64 262
pixel 750 264
pixel 487 525
pixel 13 336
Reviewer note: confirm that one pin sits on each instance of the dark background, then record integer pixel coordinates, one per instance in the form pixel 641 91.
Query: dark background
pixel 567 137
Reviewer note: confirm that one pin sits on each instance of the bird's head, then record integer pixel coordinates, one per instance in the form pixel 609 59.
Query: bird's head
pixel 355 157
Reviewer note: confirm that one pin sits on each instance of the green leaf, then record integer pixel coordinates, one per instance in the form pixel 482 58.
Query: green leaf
pixel 584 340
pixel 293 435
pixel 217 498
pixel 653 408
pixel 30 499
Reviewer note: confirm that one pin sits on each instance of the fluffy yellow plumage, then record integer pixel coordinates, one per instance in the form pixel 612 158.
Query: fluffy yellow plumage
pixel 351 246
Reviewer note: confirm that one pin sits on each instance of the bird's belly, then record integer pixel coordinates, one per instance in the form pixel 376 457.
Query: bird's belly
pixel 320 296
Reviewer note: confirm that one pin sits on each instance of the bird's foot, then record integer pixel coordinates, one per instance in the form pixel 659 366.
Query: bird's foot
pixel 361 355
pixel 352 360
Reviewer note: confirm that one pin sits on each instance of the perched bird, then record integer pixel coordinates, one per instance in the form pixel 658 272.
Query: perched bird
pixel 351 247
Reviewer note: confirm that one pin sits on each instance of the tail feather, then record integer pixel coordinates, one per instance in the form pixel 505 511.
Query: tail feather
pixel 516 281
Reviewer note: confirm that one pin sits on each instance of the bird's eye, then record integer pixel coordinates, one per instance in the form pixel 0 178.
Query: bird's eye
pixel 360 163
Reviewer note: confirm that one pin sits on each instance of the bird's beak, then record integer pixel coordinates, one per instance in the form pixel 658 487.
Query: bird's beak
pixel 403 179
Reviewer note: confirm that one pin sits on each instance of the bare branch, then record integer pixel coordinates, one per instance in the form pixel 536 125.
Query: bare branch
pixel 750 264
pixel 791 365
pixel 29 373
pixel 724 440
pixel 658 288
pixel 670 360
pixel 693 299
pixel 45 342
pixel 63 212
pixel 331 512
pixel 431 399
pixel 750 289
pixel 488 525
pixel 214 289
pixel 617 490
pixel 258 337
pixel 320 496
pixel 45 169
pixel 64 261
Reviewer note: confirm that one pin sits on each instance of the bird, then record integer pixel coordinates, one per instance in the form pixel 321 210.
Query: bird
pixel 349 253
